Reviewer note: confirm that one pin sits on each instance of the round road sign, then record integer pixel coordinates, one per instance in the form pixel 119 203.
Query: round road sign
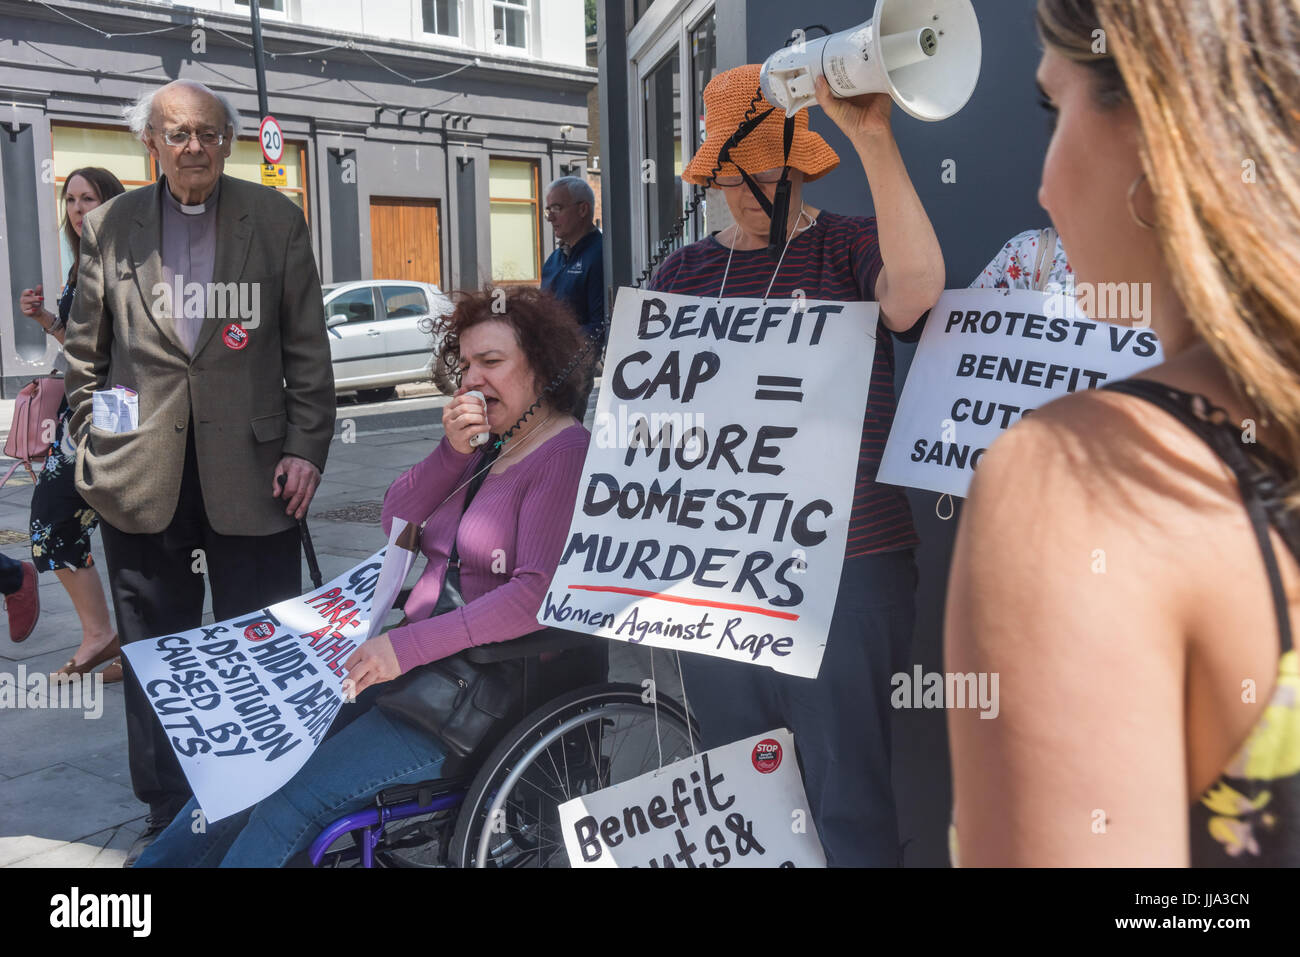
pixel 272 138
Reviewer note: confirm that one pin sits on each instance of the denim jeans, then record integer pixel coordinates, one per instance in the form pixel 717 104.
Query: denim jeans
pixel 371 753
pixel 841 719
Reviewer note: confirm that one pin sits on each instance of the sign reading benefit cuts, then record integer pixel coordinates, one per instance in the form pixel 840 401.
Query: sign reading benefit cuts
pixel 714 505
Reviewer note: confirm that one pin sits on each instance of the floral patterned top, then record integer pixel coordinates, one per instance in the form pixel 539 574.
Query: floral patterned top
pixel 1014 266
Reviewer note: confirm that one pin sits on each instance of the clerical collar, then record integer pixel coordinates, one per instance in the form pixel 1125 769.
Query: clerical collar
pixel 198 208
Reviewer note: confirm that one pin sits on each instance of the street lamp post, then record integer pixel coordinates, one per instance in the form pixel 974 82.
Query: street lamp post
pixel 259 61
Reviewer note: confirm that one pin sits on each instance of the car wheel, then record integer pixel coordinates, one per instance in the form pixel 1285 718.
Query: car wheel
pixel 376 395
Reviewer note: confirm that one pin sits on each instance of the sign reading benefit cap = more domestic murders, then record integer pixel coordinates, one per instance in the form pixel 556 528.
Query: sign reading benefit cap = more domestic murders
pixel 986 359
pixel 714 504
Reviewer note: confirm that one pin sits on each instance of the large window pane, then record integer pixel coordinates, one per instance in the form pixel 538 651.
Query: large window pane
pixel 442 17
pixel 514 223
pixel 513 179
pixel 355 306
pixel 510 23
pixel 403 301
pixel 115 150
pixel 514 243
pixel 663 140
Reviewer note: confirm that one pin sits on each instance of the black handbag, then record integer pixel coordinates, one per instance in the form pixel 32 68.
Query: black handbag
pixel 456 700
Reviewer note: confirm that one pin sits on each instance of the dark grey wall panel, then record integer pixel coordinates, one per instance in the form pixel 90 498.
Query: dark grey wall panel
pixel 345 236
pixel 467 230
pixel 615 144
pixel 18 158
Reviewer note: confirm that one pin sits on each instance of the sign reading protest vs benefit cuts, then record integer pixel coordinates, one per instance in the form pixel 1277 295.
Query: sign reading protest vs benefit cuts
pixel 988 357
pixel 714 505
pixel 741 805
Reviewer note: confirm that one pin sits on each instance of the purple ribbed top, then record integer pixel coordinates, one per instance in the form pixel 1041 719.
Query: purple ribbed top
pixel 516 523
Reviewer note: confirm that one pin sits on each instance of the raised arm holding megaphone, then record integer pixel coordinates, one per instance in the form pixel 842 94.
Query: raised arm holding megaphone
pixel 759 152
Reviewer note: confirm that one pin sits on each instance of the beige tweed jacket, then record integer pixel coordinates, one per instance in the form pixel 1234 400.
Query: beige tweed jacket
pixel 255 393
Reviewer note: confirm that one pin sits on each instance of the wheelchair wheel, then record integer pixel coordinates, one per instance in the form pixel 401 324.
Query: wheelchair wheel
pixel 579 743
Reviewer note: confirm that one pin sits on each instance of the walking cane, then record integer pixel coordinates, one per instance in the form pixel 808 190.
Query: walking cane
pixel 312 567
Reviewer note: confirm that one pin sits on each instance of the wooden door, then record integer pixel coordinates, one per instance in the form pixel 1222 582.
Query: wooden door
pixel 404 240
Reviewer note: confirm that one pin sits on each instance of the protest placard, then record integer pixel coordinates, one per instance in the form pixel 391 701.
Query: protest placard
pixel 987 358
pixel 714 505
pixel 245 701
pixel 741 805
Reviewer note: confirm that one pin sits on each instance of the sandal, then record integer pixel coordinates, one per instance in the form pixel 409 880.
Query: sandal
pixel 113 673
pixel 72 668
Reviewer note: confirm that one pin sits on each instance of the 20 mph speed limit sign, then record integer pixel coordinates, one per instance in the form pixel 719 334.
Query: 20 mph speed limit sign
pixel 272 140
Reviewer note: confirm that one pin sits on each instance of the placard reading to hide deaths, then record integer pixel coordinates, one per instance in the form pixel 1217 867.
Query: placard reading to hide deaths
pixel 714 504
pixel 741 805
pixel 245 701
pixel 987 358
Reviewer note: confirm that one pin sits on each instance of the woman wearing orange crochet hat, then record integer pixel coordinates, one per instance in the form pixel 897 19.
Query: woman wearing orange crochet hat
pixel 841 719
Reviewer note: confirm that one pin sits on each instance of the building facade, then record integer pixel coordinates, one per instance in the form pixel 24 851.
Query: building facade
pixel 419 134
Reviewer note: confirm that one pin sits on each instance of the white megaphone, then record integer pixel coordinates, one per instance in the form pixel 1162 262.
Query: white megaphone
pixel 924 53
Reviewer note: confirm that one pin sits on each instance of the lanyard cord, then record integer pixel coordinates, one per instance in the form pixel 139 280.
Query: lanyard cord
pixel 802 213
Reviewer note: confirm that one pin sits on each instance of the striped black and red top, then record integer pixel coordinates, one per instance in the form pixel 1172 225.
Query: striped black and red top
pixel 837 260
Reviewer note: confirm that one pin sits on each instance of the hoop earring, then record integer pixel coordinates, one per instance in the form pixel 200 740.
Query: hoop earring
pixel 1132 209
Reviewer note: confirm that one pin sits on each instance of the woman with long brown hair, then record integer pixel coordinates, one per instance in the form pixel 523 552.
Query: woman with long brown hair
pixel 61 522
pixel 1138 615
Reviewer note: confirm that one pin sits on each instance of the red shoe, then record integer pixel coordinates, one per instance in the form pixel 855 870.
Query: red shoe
pixel 24 605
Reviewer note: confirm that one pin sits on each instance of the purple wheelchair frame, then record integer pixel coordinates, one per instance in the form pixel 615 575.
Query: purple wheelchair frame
pixel 371 821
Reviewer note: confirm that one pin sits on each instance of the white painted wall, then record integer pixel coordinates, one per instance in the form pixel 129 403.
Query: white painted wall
pixel 562 32
pixel 555 26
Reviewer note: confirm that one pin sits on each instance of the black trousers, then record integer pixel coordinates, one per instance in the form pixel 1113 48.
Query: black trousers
pixel 157 586
pixel 841 720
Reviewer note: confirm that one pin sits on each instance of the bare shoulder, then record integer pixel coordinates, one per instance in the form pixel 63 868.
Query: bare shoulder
pixel 1102 509
pixel 1104 459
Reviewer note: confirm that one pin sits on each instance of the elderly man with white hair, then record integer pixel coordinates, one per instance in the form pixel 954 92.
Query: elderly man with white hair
pixel 201 294
pixel 575 272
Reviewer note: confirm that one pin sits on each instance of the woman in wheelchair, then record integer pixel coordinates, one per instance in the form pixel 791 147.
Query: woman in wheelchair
pixel 509 541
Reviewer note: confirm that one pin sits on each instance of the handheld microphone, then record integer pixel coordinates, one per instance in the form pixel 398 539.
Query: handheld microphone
pixel 479 438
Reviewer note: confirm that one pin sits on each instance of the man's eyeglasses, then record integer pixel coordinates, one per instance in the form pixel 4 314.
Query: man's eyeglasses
pixel 208 139
pixel 554 208
pixel 767 178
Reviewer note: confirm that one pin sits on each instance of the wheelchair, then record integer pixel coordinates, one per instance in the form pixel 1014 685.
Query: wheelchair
pixel 499 807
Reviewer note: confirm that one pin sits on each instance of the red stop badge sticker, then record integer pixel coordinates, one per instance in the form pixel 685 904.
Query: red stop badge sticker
pixel 259 632
pixel 234 336
pixel 767 756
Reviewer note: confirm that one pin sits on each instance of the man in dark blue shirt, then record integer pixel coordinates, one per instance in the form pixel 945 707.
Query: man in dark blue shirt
pixel 575 272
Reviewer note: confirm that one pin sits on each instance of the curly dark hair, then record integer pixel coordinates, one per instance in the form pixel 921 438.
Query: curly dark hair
pixel 545 328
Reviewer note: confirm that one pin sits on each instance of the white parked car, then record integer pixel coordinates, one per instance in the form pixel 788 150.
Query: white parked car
pixel 381 335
